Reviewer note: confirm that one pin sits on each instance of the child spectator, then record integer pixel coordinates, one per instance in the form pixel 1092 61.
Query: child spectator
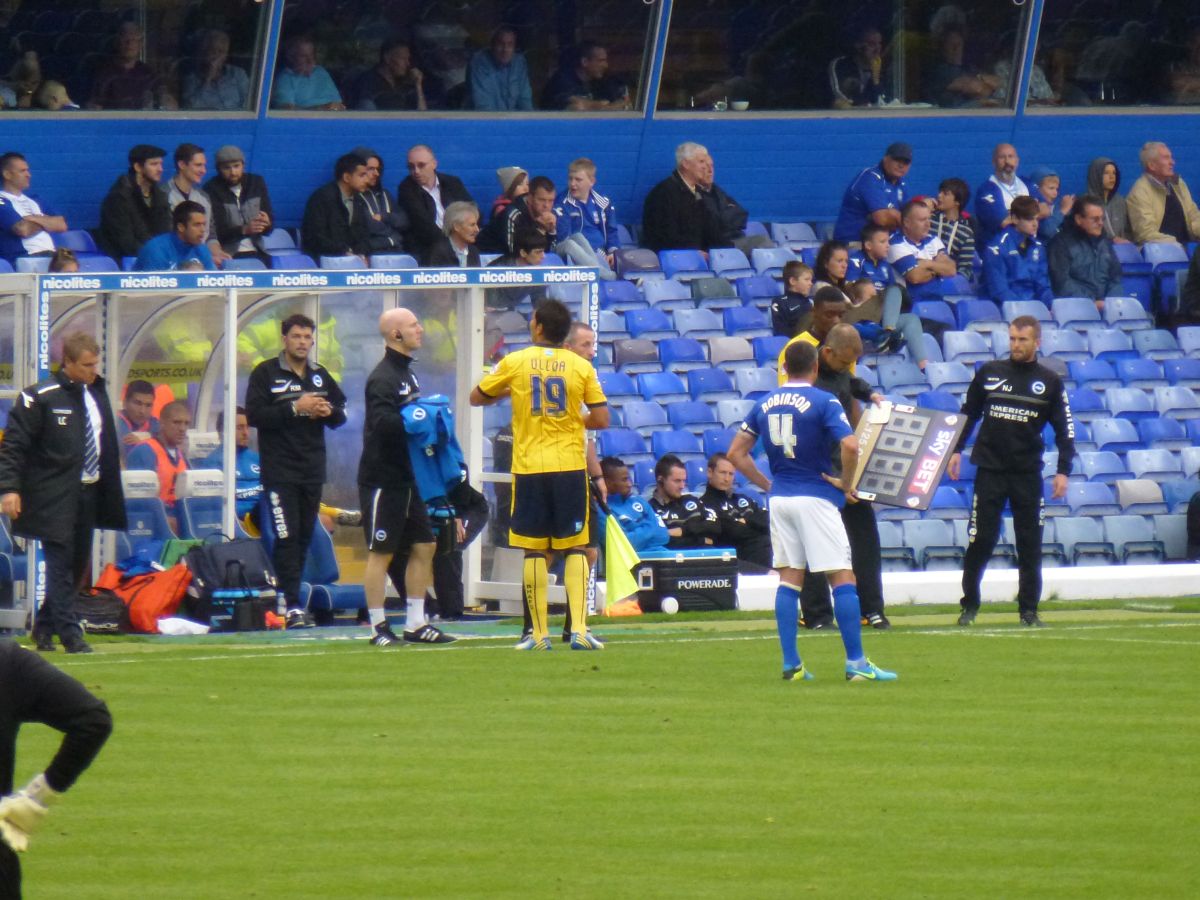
pixel 952 226
pixel 586 221
pixel 1044 185
pixel 64 260
pixel 790 313
pixel 514 183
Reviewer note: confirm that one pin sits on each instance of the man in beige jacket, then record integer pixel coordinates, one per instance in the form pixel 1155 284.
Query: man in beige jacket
pixel 1160 205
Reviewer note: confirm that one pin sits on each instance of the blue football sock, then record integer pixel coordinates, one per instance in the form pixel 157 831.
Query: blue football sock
pixel 787 614
pixel 847 612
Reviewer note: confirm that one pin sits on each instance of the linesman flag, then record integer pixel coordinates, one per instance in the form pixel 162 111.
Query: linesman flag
pixel 619 560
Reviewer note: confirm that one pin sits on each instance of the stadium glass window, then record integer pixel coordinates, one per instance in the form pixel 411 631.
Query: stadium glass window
pixel 372 56
pixel 741 55
pixel 1109 53
pixel 163 55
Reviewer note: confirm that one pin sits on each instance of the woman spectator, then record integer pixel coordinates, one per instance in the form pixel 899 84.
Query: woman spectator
pixel 514 183
pixel 1104 177
pixel 395 83
pixel 456 247
pixel 865 306
pixel 952 226
pixel 213 83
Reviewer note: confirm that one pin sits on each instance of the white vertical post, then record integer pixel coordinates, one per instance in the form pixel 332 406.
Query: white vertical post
pixel 469 419
pixel 229 431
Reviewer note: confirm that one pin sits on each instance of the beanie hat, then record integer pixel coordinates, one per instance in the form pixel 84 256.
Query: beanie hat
pixel 507 175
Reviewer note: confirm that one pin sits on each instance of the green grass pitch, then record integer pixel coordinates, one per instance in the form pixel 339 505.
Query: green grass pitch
pixel 1005 763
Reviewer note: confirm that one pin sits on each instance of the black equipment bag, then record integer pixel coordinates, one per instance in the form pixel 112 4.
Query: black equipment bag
pixel 227 576
pixel 101 611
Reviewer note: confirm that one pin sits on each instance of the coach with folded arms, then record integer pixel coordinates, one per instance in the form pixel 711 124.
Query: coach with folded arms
pixel 60 479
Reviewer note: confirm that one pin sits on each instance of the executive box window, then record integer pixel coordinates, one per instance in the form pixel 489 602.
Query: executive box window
pixel 1113 53
pixel 373 56
pixel 57 55
pixel 828 54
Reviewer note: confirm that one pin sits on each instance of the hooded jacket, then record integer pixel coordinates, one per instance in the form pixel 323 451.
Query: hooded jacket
pixel 1049 226
pixel 1116 216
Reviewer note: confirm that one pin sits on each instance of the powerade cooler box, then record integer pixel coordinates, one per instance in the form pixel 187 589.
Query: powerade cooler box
pixel 701 580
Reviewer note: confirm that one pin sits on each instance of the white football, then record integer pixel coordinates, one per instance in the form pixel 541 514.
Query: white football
pixel 670 605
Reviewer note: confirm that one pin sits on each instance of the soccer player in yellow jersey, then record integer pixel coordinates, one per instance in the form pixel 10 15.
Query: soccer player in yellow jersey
pixel 829 305
pixel 550 387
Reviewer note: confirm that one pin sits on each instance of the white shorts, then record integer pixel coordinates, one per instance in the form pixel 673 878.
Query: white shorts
pixel 807 533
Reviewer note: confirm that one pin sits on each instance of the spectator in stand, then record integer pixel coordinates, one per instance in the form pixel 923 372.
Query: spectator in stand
pixel 1103 181
pixel 745 525
pixel 335 223
pixel 302 84
pixel 586 221
pixel 64 261
pixel 875 195
pixel 858 80
pixel 529 249
pixel 123 81
pixel 582 84
pixel 514 183
pixel 952 84
pixel 386 222
pixel 498 76
pixel 995 196
pixel 183 248
pixel 52 96
pixel 1081 259
pixel 191 165
pixel 731 217
pixel 241 207
pixel 1014 263
pixel 1044 185
pixel 395 83
pixel 1160 205
pixel 165 453
pixel 690 522
pixel 533 212
pixel 25 225
pixel 136 421
pixel 951 224
pixel 1184 76
pixel 790 313
pixel 136 207
pixel 640 523
pixel 871 264
pixel 18 89
pixel 674 214
pixel 457 246
pixel 424 196
pixel 920 258
pixel 213 83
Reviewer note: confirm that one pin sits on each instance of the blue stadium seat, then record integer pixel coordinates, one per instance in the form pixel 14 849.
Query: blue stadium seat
pixel 1036 308
pixel 1140 497
pixel 669 294
pixel 349 261
pixel 1091 498
pixel 618 387
pixel 1156 464
pixel 128 262
pixel 755 383
pixel 948 503
pixel 1178 492
pixel 1133 540
pixel 683 265
pixel 1156 344
pixel 900 377
pixel 634 355
pixel 76 239
pixel 767 349
pixel 787 232
pixel 1140 373
pixel 1189 340
pixel 1172 531
pixel 1087 405
pixel 867 374
pixel 322 573
pixel 1083 540
pixel 1079 313
pixel 1129 403
pixel 896 556
pixel 935 311
pixel 97 263
pixel 623 442
pixel 731 353
pixel 1183 372
pixel 612 326
pixel 1117 435
pixel 680 354
pixel 1053 507
pixel 730 262
pixel 711 385
pixel 243 264
pixel 1177 402
pixel 717 440
pixel 625 236
pixel 698 323
pixel 1163 434
pixel 1102 466
pixel 14 564
pixel 291 260
pixel 1190 456
pixel 32 265
pixel 730 413
pixel 697 476
pixel 942 400
pixel 933 350
pixel 279 243
pixel 758 290
pixel 771 260
pixel 1083 436
pixel 651 324
pixel 949 376
pixel 1127 314
pixel 747 322
pixel 146 518
pixel 683 444
pixel 932 541
pixel 1096 374
pixel 394 261
pixel 967 347
pixel 1065 345
pixel 1166 258
pixel 714 292
pixel 694 416
pixel 1130 258
pixel 642 471
pixel 662 387
pixel 971 312
pixel 1110 344
pixel 620 295
pixel 637 263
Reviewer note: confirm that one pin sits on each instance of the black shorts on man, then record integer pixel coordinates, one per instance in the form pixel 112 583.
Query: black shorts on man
pixel 393 518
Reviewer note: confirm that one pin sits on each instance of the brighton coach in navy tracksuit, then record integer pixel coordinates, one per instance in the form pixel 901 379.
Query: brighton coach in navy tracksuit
pixel 1015 398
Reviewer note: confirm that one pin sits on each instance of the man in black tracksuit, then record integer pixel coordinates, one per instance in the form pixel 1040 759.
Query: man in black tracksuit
pixel 745 525
pixel 291 401
pixel 32 690
pixel 690 522
pixel 1015 398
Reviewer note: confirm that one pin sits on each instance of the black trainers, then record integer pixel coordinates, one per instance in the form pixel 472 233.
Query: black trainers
pixel 817 624
pixel 385 637
pixel 298 618
pixel 44 641
pixel 1032 620
pixel 878 621
pixel 427 634
pixel 76 645
pixel 967 617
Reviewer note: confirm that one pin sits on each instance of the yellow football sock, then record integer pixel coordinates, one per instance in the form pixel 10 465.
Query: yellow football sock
pixel 534 581
pixel 575 580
